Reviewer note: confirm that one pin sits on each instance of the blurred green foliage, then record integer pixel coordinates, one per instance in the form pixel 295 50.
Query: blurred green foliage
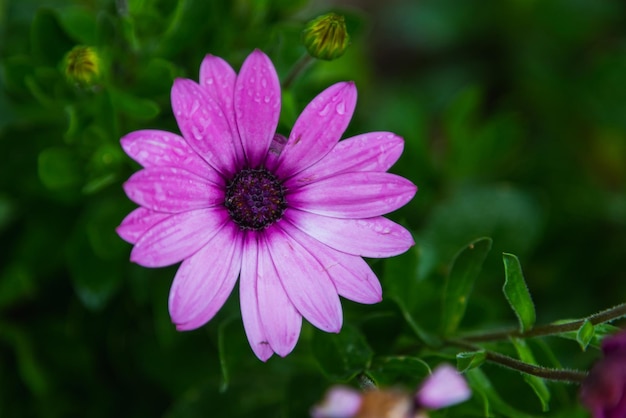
pixel 514 116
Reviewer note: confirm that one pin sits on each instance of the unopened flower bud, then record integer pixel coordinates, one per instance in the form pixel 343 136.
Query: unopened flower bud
pixel 82 65
pixel 326 37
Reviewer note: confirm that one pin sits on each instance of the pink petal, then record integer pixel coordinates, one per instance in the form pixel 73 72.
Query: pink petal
pixel 178 237
pixel 318 128
pixel 218 78
pixel 257 106
pixel 153 148
pixel 444 387
pixel 248 298
pixel 137 222
pixel 172 190
pixel 352 277
pixel 280 319
pixel 376 237
pixel 375 151
pixel 354 195
pixel 204 281
pixel 276 148
pixel 305 280
pixel 204 125
pixel 339 402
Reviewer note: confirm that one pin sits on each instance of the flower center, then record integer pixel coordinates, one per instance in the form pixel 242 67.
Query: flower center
pixel 255 199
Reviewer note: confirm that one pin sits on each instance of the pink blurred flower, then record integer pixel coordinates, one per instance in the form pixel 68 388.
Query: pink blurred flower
pixel 291 217
pixel 340 402
pixel 603 392
pixel 444 387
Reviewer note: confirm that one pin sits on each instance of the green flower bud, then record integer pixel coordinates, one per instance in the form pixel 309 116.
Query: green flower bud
pixel 82 65
pixel 326 37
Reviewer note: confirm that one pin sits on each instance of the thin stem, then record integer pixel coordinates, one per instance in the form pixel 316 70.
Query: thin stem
pixel 539 371
pixel 297 68
pixel 601 317
pixel 563 375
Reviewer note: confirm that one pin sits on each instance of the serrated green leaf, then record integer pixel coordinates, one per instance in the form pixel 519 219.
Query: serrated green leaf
pixel 585 334
pixel 517 293
pixel 342 356
pixel 460 281
pixel 470 360
pixel 537 384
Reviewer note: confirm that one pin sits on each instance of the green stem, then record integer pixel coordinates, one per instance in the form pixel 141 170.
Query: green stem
pixel 297 68
pixel 601 317
pixel 563 375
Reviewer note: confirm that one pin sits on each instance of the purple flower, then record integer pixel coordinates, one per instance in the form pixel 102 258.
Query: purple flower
pixel 603 392
pixel 291 217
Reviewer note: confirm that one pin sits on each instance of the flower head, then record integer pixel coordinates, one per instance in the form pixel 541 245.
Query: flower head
pixel 326 37
pixel 290 217
pixel 603 392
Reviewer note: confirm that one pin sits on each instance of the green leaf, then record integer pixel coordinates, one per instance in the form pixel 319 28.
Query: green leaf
pixel 95 279
pixel 221 347
pixel 537 384
pixel 135 107
pixel 482 387
pixel 58 168
pixel 80 23
pixel 404 288
pixel 512 218
pixel 585 334
pixel 469 360
pixel 30 366
pixel 342 356
pixel 517 293
pixel 600 331
pixel 460 281
pixel 395 370
pixel 49 41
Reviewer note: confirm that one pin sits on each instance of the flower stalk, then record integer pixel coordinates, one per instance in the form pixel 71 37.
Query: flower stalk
pixel 607 315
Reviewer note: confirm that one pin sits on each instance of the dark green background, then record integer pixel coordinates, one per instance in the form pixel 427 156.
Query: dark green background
pixel 514 116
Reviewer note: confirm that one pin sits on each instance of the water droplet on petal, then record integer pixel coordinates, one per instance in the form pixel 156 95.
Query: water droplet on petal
pixel 266 99
pixel 264 82
pixel 325 110
pixel 195 131
pixel 209 80
pixel 341 108
pixel 194 107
